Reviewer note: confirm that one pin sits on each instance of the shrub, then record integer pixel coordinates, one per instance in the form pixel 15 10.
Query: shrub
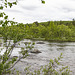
pixel 50 69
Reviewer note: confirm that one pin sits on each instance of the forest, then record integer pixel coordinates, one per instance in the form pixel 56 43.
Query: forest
pixel 51 31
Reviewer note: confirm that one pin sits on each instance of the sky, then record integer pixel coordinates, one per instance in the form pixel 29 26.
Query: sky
pixel 29 11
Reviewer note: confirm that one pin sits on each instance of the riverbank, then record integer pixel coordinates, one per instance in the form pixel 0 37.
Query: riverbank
pixel 60 40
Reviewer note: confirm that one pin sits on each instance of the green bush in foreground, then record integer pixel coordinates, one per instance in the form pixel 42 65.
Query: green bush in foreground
pixel 50 69
pixel 6 61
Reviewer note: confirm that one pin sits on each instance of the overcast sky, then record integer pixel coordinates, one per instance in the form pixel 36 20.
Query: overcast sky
pixel 28 11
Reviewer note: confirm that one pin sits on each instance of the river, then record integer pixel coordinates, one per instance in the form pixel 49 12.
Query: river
pixel 50 50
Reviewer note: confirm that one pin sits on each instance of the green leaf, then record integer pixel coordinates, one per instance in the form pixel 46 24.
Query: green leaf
pixel 14 59
pixel 43 1
pixel 6 22
pixel 3 25
pixel 15 3
pixel 5 17
pixel 1 66
pixel 5 3
pixel 1 7
pixel 51 60
pixel 5 6
pixel 1 14
pixel 10 4
pixel 1 22
pixel 4 13
pixel 6 0
pixel 33 43
pixel 6 66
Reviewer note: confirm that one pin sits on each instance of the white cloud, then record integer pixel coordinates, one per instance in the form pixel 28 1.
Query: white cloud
pixel 30 10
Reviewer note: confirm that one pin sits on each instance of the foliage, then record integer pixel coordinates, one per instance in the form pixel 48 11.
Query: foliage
pixel 5 3
pixel 55 32
pixel 6 64
pixel 43 1
pixel 50 69
pixel 9 33
pixel 50 32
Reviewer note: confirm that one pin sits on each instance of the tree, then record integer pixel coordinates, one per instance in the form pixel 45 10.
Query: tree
pixel 8 34
pixel 5 4
pixel 73 22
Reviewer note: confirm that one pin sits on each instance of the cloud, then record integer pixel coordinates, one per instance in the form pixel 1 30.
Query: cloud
pixel 31 10
pixel 29 7
pixel 13 11
pixel 68 9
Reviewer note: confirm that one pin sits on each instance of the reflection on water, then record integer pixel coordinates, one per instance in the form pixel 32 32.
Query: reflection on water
pixel 50 50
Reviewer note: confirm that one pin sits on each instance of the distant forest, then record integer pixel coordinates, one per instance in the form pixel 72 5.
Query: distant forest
pixel 51 30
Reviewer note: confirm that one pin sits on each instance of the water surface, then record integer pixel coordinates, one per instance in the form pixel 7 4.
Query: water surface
pixel 50 50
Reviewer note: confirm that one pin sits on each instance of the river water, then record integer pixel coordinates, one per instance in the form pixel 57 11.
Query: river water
pixel 50 50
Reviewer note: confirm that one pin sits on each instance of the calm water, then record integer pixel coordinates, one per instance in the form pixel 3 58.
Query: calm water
pixel 50 50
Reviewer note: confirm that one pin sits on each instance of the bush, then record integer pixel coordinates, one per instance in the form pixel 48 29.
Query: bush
pixel 6 64
pixel 50 69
